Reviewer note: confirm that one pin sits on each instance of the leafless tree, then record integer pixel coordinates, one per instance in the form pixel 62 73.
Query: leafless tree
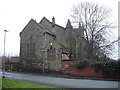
pixel 95 20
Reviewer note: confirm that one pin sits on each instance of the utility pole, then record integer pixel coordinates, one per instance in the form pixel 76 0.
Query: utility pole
pixel 4 57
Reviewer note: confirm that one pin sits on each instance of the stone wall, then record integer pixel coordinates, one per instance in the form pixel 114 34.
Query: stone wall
pixel 42 38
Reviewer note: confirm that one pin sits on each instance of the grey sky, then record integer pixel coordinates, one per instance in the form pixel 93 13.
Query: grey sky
pixel 15 14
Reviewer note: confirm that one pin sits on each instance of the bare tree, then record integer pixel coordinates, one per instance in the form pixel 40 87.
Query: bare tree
pixel 94 19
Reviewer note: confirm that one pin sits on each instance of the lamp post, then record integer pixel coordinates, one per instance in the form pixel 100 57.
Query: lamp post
pixel 4 53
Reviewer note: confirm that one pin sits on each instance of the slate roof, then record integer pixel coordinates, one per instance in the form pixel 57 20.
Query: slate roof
pixel 44 18
pixel 46 31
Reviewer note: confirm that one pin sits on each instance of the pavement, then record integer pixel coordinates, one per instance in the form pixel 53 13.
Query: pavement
pixel 62 82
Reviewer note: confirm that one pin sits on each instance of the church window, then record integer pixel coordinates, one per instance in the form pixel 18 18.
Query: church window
pixel 31 47
pixel 28 48
pixel 51 53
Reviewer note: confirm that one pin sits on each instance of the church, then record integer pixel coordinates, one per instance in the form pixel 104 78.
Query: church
pixel 45 44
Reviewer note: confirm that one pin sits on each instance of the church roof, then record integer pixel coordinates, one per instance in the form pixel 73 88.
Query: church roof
pixel 32 21
pixel 44 18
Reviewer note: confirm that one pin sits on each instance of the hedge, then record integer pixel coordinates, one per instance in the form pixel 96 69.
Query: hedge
pixel 109 69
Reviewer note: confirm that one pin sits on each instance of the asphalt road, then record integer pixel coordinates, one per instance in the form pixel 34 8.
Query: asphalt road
pixel 62 82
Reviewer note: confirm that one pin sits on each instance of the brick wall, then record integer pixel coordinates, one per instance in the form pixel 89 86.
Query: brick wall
pixel 87 72
pixel 66 66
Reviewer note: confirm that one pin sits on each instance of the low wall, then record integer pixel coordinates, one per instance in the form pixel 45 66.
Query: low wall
pixel 87 72
pixel 66 66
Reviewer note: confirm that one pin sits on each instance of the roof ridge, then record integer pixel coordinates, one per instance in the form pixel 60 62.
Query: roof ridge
pixel 51 22
pixel 32 20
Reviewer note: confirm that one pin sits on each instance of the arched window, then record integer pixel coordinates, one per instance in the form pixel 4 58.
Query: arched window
pixel 51 53
pixel 31 47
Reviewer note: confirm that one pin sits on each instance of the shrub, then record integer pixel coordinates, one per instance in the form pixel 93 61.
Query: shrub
pixel 107 68
pixel 83 64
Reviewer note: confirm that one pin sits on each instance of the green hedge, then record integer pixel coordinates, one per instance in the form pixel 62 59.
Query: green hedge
pixel 83 64
pixel 109 69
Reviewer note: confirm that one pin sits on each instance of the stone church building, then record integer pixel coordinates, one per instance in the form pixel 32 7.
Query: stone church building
pixel 45 44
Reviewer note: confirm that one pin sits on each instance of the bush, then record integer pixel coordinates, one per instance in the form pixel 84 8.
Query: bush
pixel 83 64
pixel 107 68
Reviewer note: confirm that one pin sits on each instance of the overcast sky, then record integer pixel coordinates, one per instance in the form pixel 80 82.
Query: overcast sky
pixel 15 14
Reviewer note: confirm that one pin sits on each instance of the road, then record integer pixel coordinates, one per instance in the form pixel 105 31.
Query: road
pixel 62 82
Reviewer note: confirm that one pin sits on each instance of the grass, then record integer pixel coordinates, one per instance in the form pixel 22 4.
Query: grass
pixel 8 83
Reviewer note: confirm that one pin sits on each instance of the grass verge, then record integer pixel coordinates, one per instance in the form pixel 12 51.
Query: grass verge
pixel 8 83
